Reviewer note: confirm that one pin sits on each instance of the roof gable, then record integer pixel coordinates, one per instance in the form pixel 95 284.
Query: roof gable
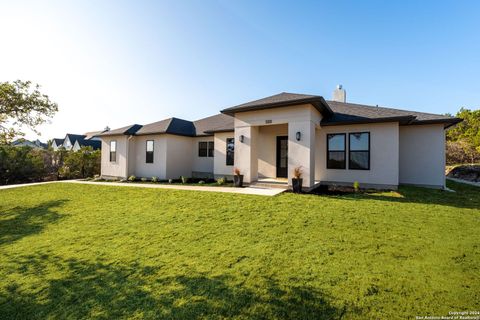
pixel 283 99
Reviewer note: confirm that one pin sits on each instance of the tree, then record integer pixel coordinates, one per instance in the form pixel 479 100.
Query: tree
pixel 20 164
pixel 463 140
pixel 81 164
pixel 22 104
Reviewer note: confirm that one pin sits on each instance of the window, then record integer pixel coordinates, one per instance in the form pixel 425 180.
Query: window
pixel 336 151
pixel 149 152
pixel 205 149
pixel 359 151
pixel 210 148
pixel 113 151
pixel 230 151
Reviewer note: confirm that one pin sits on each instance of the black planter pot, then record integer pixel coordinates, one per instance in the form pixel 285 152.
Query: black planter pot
pixel 238 180
pixel 297 185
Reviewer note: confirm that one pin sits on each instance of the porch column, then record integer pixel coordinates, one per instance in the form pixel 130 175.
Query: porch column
pixel 246 154
pixel 301 153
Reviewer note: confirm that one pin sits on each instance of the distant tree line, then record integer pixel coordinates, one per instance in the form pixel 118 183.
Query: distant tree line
pixel 26 164
pixel 463 140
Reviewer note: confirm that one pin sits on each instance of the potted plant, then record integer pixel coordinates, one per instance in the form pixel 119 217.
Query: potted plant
pixel 237 178
pixel 297 180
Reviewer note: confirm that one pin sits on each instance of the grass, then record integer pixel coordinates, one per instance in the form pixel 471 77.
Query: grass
pixel 85 251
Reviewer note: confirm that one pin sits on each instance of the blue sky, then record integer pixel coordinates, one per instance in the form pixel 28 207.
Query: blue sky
pixel 120 62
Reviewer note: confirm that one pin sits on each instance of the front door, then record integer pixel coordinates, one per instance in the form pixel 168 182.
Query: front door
pixel 282 157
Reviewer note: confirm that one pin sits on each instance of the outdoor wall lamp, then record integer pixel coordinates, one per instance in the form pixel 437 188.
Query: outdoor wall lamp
pixel 242 137
pixel 298 135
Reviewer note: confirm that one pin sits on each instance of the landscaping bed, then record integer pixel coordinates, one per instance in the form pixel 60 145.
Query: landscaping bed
pixel 465 172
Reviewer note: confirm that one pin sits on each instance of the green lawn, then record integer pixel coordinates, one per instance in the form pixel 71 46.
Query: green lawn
pixel 84 251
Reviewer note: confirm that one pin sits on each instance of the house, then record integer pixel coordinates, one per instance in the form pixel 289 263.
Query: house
pixel 37 144
pixel 334 142
pixel 76 141
pixel 57 143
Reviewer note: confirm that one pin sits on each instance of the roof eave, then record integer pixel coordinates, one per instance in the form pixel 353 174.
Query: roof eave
pixel 401 119
pixel 446 122
pixel 318 102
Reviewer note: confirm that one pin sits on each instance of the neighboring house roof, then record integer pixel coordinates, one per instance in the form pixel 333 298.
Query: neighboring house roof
pixel 172 125
pixel 350 113
pixel 95 144
pixel 283 99
pixel 58 141
pixel 33 144
pixel 74 137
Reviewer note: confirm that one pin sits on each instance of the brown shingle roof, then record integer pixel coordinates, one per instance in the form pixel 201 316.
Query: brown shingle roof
pixel 283 99
pixel 172 126
pixel 216 123
pixel 127 130
pixel 348 113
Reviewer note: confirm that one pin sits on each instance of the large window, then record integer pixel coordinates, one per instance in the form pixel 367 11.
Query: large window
pixel 359 151
pixel 336 151
pixel 230 151
pixel 205 149
pixel 149 152
pixel 113 151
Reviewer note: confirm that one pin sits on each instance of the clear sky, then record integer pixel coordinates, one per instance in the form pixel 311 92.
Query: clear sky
pixel 121 62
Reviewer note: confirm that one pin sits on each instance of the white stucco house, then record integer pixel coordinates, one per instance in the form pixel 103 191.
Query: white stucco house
pixel 334 142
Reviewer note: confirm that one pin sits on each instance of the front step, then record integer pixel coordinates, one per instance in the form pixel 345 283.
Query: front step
pixel 279 185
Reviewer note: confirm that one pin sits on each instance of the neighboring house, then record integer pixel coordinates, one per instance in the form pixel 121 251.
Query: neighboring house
pixel 37 144
pixel 76 141
pixel 57 143
pixel 334 142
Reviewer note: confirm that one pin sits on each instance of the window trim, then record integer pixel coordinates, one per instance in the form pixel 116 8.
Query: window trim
pixel 114 152
pixel 226 152
pixel 146 151
pixel 350 151
pixel 212 145
pixel 344 151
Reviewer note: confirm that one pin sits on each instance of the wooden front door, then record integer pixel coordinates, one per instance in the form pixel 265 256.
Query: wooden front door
pixel 282 157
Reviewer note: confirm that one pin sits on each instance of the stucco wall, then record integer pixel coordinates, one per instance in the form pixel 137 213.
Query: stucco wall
pixel 267 152
pixel 422 155
pixel 384 155
pixel 179 156
pixel 119 167
pixel 201 165
pixel 303 118
pixel 138 165
pixel 220 167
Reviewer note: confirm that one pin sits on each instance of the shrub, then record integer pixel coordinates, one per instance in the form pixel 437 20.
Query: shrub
pixel 154 179
pixel 184 179
pixel 132 178
pixel 356 186
pixel 81 164
pixel 170 180
pixel 201 182
pixel 221 181
pixel 22 164
pixel 143 179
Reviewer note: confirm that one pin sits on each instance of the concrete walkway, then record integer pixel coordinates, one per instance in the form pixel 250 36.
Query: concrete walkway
pixel 248 190
pixel 11 186
pixel 476 184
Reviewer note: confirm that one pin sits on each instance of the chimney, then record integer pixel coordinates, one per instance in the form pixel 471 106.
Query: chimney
pixel 339 94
